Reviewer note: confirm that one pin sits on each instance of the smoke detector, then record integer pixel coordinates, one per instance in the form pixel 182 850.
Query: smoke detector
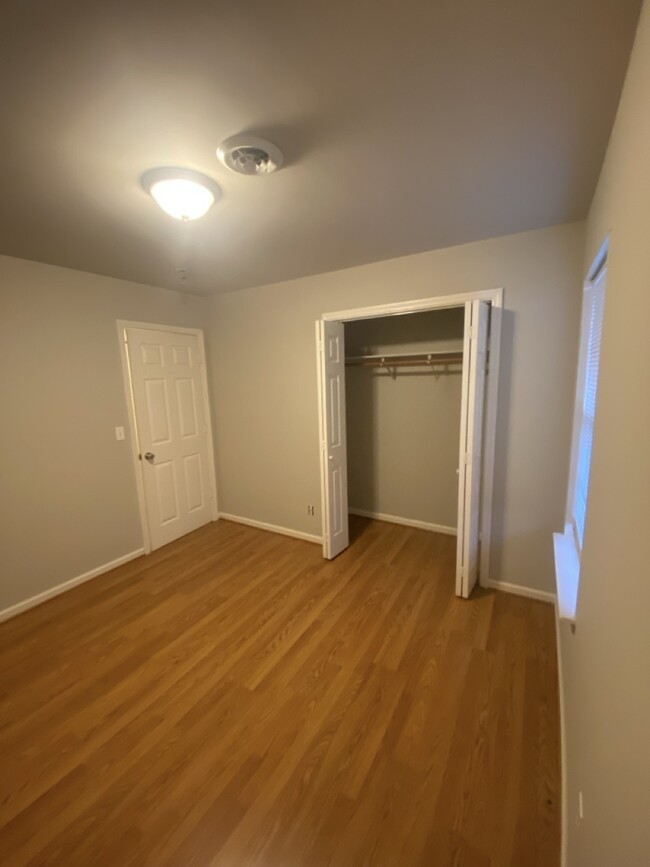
pixel 248 155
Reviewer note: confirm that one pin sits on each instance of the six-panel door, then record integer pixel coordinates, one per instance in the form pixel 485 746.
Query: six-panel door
pixel 171 419
pixel 334 443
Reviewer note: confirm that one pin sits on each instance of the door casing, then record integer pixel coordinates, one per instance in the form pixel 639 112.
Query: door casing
pixel 495 298
pixel 470 457
pixel 122 325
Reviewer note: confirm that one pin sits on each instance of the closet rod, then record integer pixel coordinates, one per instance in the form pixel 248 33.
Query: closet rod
pixel 407 359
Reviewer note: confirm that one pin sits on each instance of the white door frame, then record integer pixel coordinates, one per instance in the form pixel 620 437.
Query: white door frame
pixel 495 298
pixel 122 325
pixel 470 471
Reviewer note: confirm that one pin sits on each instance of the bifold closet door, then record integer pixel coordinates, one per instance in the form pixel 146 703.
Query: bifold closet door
pixel 333 446
pixel 477 315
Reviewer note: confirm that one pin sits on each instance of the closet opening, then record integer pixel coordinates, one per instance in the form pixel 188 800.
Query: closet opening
pixel 407 403
pixel 403 378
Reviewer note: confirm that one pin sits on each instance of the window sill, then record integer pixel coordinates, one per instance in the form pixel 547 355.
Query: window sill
pixel 567 574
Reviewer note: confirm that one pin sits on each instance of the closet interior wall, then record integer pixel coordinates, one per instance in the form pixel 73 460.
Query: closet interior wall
pixel 403 423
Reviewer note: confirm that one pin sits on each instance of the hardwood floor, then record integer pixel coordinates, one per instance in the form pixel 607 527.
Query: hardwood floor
pixel 235 700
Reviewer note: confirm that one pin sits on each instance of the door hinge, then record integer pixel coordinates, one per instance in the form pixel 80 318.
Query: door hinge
pixel 468 458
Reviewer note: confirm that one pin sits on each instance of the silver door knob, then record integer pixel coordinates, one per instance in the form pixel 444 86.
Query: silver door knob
pixel 149 456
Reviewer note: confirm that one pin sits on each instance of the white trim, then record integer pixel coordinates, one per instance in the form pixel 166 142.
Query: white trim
pixel 272 528
pixel 563 750
pixel 122 326
pixel 469 332
pixel 406 522
pixel 153 326
pixel 490 434
pixel 212 470
pixel 322 439
pixel 133 438
pixel 495 297
pixel 520 590
pixel 567 573
pixel 600 261
pixel 592 295
pixel 67 585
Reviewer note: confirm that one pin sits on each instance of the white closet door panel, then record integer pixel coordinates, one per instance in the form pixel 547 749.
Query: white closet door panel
pixel 186 405
pixel 182 356
pixel 166 492
pixel 333 445
pixel 193 474
pixel 471 445
pixel 151 354
pixel 157 410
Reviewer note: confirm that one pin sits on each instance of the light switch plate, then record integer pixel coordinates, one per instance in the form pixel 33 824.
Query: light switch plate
pixel 119 433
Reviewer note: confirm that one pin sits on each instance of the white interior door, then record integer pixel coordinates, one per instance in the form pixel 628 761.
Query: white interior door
pixel 334 462
pixel 171 417
pixel 471 445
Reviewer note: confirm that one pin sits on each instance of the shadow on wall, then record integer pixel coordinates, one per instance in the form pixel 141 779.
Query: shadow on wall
pixel 361 413
pixel 411 332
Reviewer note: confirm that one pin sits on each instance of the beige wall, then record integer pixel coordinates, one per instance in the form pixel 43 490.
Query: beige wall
pixel 263 365
pixel 404 430
pixel 68 500
pixel 606 664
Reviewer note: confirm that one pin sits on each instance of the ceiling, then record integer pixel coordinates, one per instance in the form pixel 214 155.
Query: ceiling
pixel 406 126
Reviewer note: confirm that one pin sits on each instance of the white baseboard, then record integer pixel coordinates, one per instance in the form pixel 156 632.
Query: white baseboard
pixel 563 767
pixel 520 590
pixel 67 585
pixel 272 528
pixel 406 522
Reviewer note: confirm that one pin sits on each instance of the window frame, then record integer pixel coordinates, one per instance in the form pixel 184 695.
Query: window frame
pixel 568 545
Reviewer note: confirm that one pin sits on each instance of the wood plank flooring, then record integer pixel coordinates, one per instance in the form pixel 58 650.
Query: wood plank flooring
pixel 235 700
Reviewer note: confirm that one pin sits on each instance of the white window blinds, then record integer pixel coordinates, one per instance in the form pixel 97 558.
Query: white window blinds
pixel 594 302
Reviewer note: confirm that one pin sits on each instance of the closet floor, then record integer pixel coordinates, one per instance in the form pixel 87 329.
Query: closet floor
pixel 235 700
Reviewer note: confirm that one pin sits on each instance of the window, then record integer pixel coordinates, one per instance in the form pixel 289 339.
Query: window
pixel 568 546
pixel 590 339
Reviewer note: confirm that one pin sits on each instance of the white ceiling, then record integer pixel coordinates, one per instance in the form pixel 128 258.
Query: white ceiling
pixel 406 126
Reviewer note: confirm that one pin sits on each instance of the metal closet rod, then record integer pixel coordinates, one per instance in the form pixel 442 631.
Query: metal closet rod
pixel 406 359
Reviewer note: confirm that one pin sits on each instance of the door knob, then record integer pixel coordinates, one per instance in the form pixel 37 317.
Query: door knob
pixel 149 456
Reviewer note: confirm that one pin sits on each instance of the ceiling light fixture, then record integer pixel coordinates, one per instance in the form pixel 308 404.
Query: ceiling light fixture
pixel 182 193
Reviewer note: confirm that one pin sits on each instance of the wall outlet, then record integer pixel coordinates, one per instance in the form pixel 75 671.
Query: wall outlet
pixel 310 510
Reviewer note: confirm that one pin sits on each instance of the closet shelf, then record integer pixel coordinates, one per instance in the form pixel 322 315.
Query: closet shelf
pixel 407 360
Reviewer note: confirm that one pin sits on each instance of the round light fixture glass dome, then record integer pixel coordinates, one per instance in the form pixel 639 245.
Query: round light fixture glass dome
pixel 181 193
